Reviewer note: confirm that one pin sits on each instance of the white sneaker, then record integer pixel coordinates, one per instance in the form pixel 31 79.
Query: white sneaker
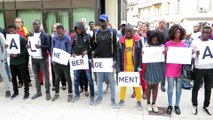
pixel 155 108
pixel 149 107
pixel 194 110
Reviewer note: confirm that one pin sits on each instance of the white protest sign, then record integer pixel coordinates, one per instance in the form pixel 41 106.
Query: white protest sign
pixel 13 41
pixel 179 55
pixel 103 64
pixel 128 79
pixel 153 54
pixel 60 56
pixel 33 51
pixel 79 63
pixel 206 53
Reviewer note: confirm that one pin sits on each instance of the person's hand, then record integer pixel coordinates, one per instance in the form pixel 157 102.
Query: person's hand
pixel 84 53
pixel 27 46
pixel 14 55
pixel 142 52
pixel 37 46
pixel 197 53
pixel 74 55
pixel 2 61
pixel 6 46
pixel 165 51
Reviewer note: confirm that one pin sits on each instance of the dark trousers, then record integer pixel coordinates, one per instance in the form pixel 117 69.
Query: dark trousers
pixel 207 76
pixel 27 70
pixel 15 70
pixel 62 78
pixel 83 80
pixel 59 70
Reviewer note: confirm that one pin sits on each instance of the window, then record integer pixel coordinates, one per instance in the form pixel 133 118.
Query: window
pixel 177 6
pixel 204 5
pixel 79 13
pixel 1 19
pixel 167 8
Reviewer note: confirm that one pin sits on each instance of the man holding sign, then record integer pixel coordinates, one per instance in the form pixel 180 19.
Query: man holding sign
pixel 129 60
pixel 40 62
pixel 202 71
pixel 18 65
pixel 62 43
pixel 81 47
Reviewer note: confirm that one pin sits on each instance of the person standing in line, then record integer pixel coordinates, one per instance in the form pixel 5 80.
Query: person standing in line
pixel 154 72
pixel 18 65
pixel 173 71
pixel 62 41
pixel 129 60
pixel 202 72
pixel 41 62
pixel 106 48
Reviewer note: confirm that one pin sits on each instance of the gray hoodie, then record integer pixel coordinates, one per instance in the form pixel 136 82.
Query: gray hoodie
pixel 3 51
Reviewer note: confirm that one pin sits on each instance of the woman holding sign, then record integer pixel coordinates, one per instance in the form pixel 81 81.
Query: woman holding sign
pixel 129 60
pixel 173 71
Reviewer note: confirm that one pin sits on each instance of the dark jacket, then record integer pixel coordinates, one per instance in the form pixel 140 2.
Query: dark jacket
pixel 81 42
pixel 45 44
pixel 136 52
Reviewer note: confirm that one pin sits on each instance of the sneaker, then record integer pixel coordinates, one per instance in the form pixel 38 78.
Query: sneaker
pixel 139 106
pixel 120 104
pixel 69 98
pixel 26 95
pixel 64 87
pixel 20 85
pixel 149 108
pixel 30 84
pixel 36 96
pixel 14 96
pixel 48 96
pixel 86 93
pixel 55 97
pixel 207 110
pixel 92 101
pixel 155 108
pixel 7 94
pixel 81 90
pixel 133 95
pixel 98 101
pixel 113 103
pixel 169 110
pixel 177 110
pixel 144 95
pixel 194 110
pixel 75 99
pixel 1 79
pixel 53 88
pixel 163 88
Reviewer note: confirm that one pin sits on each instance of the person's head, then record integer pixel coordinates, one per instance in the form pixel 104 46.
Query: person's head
pixel 11 29
pixel 162 24
pixel 206 32
pixel 36 25
pixel 140 23
pixel 103 20
pixel 196 28
pixel 91 25
pixel 18 23
pixel 129 31
pixel 177 32
pixel 84 21
pixel 155 37
pixel 212 26
pixel 123 25
pixel 22 23
pixel 60 30
pixel 54 27
pixel 145 27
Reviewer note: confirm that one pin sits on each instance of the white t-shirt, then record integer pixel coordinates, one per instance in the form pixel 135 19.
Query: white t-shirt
pixel 90 32
pixel 195 46
pixel 37 36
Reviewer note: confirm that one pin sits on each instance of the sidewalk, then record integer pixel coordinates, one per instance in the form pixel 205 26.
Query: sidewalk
pixel 40 109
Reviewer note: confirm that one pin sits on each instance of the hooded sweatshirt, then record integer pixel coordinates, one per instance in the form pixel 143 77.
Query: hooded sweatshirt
pixel 81 42
pixel 2 47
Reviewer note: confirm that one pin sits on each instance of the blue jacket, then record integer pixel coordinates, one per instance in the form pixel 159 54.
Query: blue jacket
pixel 63 43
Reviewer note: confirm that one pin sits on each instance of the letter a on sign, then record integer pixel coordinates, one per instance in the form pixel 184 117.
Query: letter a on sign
pixel 207 53
pixel 13 40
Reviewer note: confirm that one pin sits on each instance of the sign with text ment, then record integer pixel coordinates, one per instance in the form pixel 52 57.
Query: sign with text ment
pixel 79 63
pixel 128 79
pixel 13 41
pixel 60 56
pixel 103 64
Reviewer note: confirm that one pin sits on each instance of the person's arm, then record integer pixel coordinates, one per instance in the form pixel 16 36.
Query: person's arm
pixel 47 42
pixel 114 47
pixel 3 45
pixel 23 47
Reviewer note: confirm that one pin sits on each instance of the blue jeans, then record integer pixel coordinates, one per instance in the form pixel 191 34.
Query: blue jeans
pixel 89 78
pixel 101 77
pixel 171 81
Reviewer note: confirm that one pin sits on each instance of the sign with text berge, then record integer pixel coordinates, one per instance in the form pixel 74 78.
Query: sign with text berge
pixel 128 79
pixel 79 63
pixel 13 41
pixel 103 64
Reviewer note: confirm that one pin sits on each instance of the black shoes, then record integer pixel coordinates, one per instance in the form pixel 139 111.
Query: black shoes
pixel 169 110
pixel 177 110
pixel 163 88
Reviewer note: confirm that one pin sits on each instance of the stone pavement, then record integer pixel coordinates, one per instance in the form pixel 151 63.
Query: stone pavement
pixel 40 109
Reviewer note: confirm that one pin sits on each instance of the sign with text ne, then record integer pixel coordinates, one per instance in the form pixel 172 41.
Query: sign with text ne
pixel 33 51
pixel 128 79
pixel 103 64
pixel 60 56
pixel 79 63
pixel 153 54
pixel 206 53
pixel 179 55
pixel 13 41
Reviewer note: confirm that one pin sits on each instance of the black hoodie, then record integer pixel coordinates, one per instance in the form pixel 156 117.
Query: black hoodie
pixel 81 42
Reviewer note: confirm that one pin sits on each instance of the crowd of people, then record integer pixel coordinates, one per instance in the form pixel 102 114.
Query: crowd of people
pixel 124 46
